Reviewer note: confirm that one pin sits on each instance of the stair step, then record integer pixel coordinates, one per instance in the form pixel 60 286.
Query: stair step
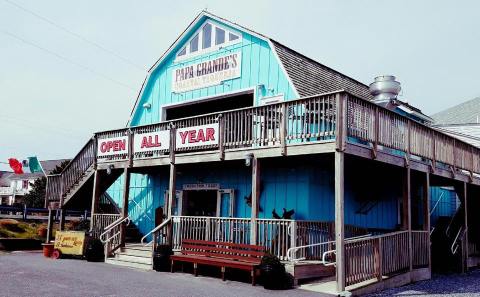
pixel 136 252
pixel 134 259
pixel 128 264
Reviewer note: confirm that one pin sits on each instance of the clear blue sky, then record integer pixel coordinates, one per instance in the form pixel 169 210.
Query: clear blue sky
pixel 53 99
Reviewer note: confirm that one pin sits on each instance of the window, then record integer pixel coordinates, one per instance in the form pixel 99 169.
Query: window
pixel 232 37
pixel 194 44
pixel 219 36
pixel 182 52
pixel 25 184
pixel 206 36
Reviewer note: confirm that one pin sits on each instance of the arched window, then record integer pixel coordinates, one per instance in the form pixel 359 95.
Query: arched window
pixel 209 37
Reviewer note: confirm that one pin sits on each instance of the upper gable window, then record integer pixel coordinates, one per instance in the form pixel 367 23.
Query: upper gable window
pixel 209 37
pixel 194 44
pixel 219 36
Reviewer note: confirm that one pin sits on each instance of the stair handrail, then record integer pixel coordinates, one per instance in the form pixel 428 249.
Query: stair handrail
pixel 163 224
pixel 296 248
pixel 447 231
pixel 436 203
pixel 111 226
pixel 454 246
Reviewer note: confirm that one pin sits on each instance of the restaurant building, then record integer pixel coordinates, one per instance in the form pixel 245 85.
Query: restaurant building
pixel 235 137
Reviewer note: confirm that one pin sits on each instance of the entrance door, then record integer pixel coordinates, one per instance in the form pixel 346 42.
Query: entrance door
pixel 225 203
pixel 200 203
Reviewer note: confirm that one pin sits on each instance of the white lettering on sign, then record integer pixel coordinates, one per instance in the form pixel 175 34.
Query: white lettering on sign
pixel 154 141
pixel 112 146
pixel 207 73
pixel 197 136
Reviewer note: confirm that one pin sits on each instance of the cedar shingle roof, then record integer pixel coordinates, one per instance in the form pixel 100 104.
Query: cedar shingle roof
pixel 464 113
pixel 311 78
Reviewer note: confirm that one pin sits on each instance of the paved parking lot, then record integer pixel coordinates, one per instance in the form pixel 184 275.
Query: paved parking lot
pixel 463 285
pixel 30 274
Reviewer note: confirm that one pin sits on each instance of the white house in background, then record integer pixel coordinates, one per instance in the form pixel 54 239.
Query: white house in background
pixel 14 186
pixel 461 121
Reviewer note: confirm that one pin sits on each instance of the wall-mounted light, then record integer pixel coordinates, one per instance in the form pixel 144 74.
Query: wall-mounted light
pixel 109 169
pixel 248 159
pixel 224 83
pixel 147 105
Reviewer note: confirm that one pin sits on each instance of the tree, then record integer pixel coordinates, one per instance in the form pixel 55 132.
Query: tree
pixel 36 196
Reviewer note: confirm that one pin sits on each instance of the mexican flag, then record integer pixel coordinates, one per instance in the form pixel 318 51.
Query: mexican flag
pixel 34 165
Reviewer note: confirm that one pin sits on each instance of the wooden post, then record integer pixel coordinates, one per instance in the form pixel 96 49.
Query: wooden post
pixel 61 224
pixel 221 138
pixel 339 219
pixel 95 197
pixel 465 239
pixel 283 129
pixel 255 199
pixel 171 188
pixel 407 212
pixel 126 191
pixel 49 225
pixel 426 215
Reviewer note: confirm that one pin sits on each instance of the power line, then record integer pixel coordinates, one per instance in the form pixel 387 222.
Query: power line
pixel 76 35
pixel 66 59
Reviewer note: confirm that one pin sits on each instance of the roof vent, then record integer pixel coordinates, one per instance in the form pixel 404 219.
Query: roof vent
pixel 384 88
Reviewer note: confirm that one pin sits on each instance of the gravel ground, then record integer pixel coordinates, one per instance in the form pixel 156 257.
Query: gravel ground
pixel 30 274
pixel 441 285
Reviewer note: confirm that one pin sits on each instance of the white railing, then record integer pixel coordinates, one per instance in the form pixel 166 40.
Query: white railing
pixel 323 248
pixel 276 235
pixel 154 231
pixel 111 237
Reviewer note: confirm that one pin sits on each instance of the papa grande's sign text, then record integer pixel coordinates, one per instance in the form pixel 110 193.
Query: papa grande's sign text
pixel 206 73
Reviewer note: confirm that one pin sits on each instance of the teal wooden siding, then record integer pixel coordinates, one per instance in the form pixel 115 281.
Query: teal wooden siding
pixel 305 185
pixel 259 66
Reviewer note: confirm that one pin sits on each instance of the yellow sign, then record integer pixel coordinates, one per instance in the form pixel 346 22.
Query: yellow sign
pixel 70 242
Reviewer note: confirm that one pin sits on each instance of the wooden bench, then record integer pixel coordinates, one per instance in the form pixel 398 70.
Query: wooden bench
pixel 221 254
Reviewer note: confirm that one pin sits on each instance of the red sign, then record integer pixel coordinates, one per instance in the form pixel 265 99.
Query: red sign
pixel 112 146
pixel 197 136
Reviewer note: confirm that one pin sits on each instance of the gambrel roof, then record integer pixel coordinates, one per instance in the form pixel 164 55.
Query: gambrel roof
pixel 307 76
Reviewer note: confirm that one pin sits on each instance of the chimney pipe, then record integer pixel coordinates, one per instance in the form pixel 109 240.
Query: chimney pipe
pixel 384 88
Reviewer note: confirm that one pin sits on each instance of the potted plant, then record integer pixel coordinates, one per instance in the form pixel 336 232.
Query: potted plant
pixel 272 272
pixel 42 231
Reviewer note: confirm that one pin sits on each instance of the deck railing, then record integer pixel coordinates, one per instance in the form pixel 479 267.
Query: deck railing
pixel 100 221
pixel 276 235
pixel 373 258
pixel 310 119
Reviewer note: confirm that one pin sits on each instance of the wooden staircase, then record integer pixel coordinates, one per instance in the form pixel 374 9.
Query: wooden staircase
pixel 133 255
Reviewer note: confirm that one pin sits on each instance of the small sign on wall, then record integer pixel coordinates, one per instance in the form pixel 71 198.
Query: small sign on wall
pixel 205 135
pixel 153 141
pixel 112 146
pixel 206 73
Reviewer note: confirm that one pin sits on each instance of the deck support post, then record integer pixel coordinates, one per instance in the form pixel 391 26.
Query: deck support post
pixel 255 199
pixel 426 215
pixel 171 188
pixel 61 224
pixel 407 213
pixel 126 191
pixel 50 225
pixel 465 238
pixel 339 219
pixel 95 198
